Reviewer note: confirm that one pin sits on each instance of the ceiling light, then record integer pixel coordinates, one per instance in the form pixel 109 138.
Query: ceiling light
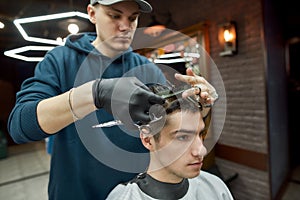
pixel 18 23
pixel 170 61
pixel 179 54
pixel 14 53
pixel 2 25
pixel 177 57
pixel 73 28
pixel 59 39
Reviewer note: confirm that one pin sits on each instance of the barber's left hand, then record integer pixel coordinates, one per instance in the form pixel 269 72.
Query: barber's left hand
pixel 200 87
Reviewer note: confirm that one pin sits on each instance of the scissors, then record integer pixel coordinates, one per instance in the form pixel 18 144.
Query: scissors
pixel 145 128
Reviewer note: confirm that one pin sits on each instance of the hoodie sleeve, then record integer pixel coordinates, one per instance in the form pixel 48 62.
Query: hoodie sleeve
pixel 22 123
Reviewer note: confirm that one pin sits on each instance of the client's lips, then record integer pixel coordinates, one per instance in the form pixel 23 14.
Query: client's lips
pixel 196 164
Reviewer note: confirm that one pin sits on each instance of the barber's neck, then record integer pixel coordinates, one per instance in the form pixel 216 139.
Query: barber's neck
pixel 104 49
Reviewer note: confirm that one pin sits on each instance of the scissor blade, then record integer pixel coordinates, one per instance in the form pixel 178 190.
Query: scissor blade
pixel 108 124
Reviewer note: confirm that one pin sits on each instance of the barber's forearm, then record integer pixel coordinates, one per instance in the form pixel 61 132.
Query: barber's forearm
pixel 55 113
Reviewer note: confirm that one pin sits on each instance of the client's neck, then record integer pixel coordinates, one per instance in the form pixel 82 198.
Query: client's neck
pixel 162 174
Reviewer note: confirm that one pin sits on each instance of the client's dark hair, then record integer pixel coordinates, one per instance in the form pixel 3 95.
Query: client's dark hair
pixel 173 98
pixel 173 102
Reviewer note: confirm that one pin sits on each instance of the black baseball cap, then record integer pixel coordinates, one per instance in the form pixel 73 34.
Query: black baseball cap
pixel 143 5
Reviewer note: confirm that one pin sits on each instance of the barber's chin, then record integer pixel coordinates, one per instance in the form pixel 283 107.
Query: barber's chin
pixel 121 46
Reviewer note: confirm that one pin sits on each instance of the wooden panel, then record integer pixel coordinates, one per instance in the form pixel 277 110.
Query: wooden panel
pixel 241 156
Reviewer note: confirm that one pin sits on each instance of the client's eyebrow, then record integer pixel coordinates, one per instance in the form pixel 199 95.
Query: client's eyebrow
pixel 184 131
pixel 187 131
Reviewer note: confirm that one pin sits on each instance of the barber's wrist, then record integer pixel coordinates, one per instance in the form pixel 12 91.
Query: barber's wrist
pixel 71 107
pixel 81 100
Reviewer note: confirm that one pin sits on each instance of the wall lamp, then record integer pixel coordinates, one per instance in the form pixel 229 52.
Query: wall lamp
pixel 228 38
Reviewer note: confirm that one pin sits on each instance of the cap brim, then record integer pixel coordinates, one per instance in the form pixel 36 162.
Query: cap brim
pixel 143 5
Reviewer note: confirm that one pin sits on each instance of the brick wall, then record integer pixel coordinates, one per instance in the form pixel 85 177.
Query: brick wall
pixel 243 74
pixel 244 80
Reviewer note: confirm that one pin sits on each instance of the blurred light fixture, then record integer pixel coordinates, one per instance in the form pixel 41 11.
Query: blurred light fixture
pixel 175 58
pixel 72 23
pixel 73 28
pixel 155 28
pixel 18 23
pixel 2 25
pixel 15 53
pixel 59 39
pixel 228 38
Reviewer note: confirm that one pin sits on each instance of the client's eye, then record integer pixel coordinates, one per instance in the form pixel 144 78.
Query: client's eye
pixel 184 137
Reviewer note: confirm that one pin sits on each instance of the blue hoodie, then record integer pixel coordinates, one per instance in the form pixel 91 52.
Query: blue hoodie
pixel 86 163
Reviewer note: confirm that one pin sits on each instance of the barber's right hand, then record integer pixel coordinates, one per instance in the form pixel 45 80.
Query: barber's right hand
pixel 126 98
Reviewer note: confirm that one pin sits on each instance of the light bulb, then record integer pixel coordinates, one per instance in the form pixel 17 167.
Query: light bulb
pixel 227 36
pixel 73 28
pixel 1 25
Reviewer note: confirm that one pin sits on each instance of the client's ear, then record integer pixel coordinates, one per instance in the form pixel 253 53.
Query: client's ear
pixel 146 140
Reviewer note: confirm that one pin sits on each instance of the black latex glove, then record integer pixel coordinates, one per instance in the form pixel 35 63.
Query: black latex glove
pixel 126 98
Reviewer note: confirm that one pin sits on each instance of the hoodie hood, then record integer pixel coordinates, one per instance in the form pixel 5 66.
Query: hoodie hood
pixel 81 42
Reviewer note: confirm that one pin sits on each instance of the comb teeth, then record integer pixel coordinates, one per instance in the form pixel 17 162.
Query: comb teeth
pixel 164 91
